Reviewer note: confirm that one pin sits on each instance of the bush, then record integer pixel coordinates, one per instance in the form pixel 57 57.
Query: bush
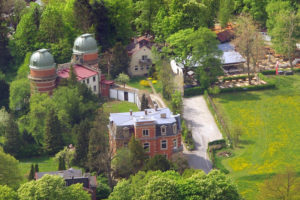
pixel 222 141
pixel 269 72
pixel 144 83
pixel 189 92
pixel 214 90
pixel 187 137
pixel 230 78
pixel 296 70
pixel 154 81
pixel 249 88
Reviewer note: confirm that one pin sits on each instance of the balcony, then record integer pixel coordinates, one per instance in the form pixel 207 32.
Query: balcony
pixel 145 61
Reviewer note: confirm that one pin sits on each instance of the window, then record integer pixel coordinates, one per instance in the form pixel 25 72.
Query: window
pixel 144 57
pixel 163 144
pixel 94 78
pixel 147 146
pixel 163 130
pixel 145 132
pixel 136 68
pixel 147 67
pixel 88 81
pixel 95 88
pixel 174 143
pixel 142 68
pixel 83 81
pixel 175 128
pixel 126 132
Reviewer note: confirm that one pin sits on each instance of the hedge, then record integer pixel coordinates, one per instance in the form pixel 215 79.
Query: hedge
pixel 230 78
pixel 248 88
pixel 222 141
pixel 273 71
pixel 189 92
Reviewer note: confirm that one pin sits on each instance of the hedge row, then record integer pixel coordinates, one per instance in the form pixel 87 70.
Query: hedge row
pixel 273 71
pixel 230 78
pixel 188 92
pixel 249 88
pixel 222 141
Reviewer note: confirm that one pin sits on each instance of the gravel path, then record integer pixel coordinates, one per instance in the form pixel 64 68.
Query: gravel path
pixel 204 130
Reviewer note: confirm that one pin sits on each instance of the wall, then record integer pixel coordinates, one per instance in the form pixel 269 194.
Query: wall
pixel 135 62
pixel 92 83
pixel 119 95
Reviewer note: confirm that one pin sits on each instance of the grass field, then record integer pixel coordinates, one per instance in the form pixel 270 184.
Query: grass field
pixel 135 83
pixel 119 106
pixel 270 123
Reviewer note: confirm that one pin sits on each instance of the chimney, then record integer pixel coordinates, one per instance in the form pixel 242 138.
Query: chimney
pixel 156 107
pixel 130 112
pixel 146 112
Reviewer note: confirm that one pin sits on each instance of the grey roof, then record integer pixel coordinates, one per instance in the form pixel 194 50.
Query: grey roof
pixel 85 43
pixel 230 56
pixel 66 174
pixel 41 59
pixel 125 119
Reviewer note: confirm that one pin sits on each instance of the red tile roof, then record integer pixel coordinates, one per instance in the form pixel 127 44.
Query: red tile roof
pixel 81 72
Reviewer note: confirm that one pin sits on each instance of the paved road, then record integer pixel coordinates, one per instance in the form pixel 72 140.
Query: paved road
pixel 204 130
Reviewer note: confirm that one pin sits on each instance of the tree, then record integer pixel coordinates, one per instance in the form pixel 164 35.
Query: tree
pixel 19 94
pixel 67 156
pixel 36 168
pixel 4 117
pixel 225 10
pixel 6 193
pixel 121 163
pixel 83 15
pixel 82 147
pixel 99 154
pixel 31 173
pixel 138 155
pixel 53 135
pixel 12 137
pixel 51 188
pixel 4 91
pixel 246 32
pixel 123 78
pixel 72 80
pixel 166 78
pixel 176 102
pixel 179 162
pixel 158 162
pixel 10 173
pixel 144 102
pixel 285 34
pixel 119 61
pixel 61 164
pixel 281 186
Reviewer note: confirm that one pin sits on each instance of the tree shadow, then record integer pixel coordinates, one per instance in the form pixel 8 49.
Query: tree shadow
pixel 238 96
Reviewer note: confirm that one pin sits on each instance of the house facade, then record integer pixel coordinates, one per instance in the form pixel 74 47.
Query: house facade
pixel 157 130
pixel 139 51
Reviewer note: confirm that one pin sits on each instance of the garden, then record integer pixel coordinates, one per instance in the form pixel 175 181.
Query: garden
pixel 268 122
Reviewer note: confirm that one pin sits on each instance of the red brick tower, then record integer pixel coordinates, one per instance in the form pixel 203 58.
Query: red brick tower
pixel 42 72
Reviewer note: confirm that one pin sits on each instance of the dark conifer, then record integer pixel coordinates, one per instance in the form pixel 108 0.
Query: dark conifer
pixel 61 163
pixel 83 14
pixel 144 102
pixel 36 168
pixel 82 147
pixel 32 173
pixel 12 137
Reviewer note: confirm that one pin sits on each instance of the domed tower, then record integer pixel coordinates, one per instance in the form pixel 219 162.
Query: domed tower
pixel 42 72
pixel 85 51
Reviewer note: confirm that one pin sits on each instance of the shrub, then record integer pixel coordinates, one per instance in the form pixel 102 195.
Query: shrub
pixel 154 81
pixel 222 141
pixel 150 78
pixel 214 90
pixel 244 77
pixel 189 92
pixel 249 88
pixel 269 72
pixel 144 83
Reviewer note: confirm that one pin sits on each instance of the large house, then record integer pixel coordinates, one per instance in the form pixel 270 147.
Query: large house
pixel 73 176
pixel 45 77
pixel 158 130
pixel 139 51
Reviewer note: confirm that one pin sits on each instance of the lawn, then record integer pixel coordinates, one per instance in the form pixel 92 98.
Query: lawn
pixel 119 106
pixel 135 83
pixel 45 163
pixel 271 132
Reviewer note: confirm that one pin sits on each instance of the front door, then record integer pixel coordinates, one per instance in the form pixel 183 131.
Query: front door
pixel 126 96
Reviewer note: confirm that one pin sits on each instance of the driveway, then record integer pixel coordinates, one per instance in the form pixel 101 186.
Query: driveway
pixel 204 130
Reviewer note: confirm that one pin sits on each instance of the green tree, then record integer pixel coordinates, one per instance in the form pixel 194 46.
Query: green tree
pixel 82 132
pixel 67 155
pixel 158 162
pixel 225 10
pixel 138 155
pixel 24 69
pixel 36 168
pixel 121 163
pixel 144 102
pixel 286 33
pixel 10 174
pixel 19 94
pixel 31 173
pixel 166 78
pixel 83 15
pixel 72 80
pixel 99 154
pixel 51 188
pixel 12 137
pixel 176 102
pixel 119 61
pixel 61 164
pixel 53 135
pixel 122 78
pixel 4 117
pixel 6 193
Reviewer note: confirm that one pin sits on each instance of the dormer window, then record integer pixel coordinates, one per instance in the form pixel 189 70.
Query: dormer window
pixel 126 132
pixel 175 128
pixel 163 130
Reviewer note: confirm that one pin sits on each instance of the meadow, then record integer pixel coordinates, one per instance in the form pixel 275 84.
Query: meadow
pixel 270 138
pixel 119 106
